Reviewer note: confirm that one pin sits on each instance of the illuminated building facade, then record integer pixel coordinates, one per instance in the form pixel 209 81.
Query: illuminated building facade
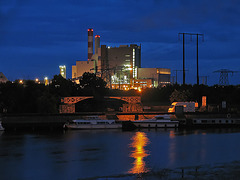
pixel 119 65
pixel 82 67
pixel 63 71
pixel 159 76
pixel 46 81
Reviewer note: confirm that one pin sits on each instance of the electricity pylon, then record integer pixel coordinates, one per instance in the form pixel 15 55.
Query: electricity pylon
pixel 223 79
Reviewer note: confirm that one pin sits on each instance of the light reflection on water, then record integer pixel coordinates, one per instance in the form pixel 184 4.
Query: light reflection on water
pixel 139 141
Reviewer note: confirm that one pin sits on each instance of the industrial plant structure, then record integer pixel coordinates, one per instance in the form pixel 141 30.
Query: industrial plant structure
pixel 119 66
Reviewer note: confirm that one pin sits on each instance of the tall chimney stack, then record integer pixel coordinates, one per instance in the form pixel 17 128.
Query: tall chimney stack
pixel 97 43
pixel 90 43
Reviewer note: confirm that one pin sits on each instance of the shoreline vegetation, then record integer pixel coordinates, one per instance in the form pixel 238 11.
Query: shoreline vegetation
pixel 31 97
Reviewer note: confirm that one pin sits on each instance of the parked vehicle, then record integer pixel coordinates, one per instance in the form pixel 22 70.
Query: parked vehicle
pixel 187 106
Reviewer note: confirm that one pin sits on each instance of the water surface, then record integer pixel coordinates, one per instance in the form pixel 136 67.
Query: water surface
pixel 112 153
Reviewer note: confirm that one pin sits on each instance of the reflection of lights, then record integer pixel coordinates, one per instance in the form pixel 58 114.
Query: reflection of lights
pixel 140 140
pixel 172 148
pixel 171 134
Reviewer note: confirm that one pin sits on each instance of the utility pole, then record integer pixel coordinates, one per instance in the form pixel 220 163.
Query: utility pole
pixel 204 79
pixel 183 34
pixel 197 56
pixel 191 34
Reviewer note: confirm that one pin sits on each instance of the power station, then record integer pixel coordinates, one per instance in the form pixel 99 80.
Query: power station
pixel 119 66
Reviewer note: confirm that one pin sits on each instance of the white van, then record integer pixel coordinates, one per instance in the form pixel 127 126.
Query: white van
pixel 187 106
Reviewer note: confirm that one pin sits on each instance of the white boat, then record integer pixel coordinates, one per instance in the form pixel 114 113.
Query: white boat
pixel 159 121
pixel 93 122
pixel 1 128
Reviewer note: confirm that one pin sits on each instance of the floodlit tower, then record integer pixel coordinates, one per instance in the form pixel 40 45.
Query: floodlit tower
pixel 90 43
pixel 63 71
pixel 46 82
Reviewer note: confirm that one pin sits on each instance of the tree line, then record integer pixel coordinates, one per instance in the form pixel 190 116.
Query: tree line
pixel 32 97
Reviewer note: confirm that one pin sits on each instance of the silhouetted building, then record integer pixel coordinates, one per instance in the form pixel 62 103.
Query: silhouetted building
pixel 3 78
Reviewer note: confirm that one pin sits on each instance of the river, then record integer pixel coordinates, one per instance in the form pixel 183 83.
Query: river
pixel 114 154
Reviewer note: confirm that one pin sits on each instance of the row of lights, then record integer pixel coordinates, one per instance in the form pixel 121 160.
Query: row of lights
pixel 46 81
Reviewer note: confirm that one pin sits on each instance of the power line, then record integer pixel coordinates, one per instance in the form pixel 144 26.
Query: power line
pixel 176 74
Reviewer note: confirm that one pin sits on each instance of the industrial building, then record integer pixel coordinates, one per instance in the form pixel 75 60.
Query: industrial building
pixel 159 76
pixel 119 66
pixel 93 62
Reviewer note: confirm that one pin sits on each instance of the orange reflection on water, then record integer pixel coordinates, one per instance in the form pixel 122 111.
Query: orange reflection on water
pixel 172 134
pixel 140 140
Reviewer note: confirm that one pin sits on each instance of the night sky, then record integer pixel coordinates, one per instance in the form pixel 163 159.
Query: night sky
pixel 36 36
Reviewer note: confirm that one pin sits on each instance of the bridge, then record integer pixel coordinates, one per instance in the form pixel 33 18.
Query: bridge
pixel 133 103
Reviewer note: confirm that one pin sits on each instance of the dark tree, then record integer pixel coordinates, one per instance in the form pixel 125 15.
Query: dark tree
pixel 93 85
pixel 180 96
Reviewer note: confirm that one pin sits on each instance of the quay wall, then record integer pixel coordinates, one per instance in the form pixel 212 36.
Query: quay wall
pixel 56 121
pixel 39 121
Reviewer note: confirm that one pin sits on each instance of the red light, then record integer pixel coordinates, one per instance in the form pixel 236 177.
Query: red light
pixel 90 29
pixel 97 36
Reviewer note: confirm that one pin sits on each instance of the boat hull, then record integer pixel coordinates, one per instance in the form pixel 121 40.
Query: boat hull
pixel 156 124
pixel 94 126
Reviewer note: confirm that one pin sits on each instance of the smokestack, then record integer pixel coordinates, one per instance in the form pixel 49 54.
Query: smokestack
pixel 97 43
pixel 90 43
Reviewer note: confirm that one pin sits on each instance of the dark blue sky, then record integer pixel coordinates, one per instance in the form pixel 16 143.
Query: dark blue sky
pixel 38 36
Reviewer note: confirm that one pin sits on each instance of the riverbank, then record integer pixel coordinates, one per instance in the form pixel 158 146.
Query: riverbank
pixel 56 121
pixel 203 172
pixel 37 121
